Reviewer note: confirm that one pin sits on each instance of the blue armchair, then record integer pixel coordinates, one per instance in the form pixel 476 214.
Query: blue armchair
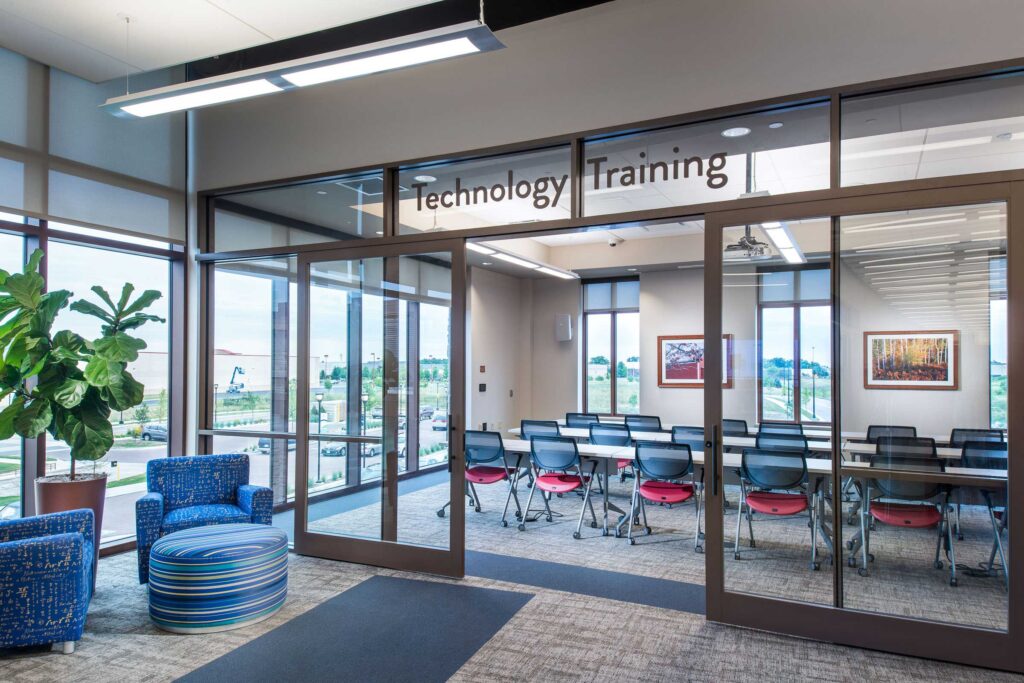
pixel 196 490
pixel 46 578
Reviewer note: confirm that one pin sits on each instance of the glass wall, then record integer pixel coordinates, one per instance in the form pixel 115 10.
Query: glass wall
pixel 922 311
pixel 969 126
pixel 11 260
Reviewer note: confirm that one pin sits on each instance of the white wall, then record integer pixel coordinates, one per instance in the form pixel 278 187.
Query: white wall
pixel 608 65
pixel 555 366
pixel 494 324
pixel 934 413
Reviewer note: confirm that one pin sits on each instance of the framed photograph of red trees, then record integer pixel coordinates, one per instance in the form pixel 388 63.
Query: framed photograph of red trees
pixel 928 359
pixel 681 361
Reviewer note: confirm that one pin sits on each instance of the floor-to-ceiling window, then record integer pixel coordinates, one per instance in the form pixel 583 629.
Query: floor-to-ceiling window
pixel 611 343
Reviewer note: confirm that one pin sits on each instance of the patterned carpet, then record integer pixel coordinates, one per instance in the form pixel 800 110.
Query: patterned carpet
pixel 557 636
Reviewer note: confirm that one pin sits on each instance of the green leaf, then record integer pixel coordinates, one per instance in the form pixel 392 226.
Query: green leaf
pixel 71 392
pixel 102 293
pixel 7 303
pixel 124 392
pixel 138 320
pixel 126 294
pixel 26 288
pixel 50 305
pixel 119 347
pixel 89 308
pixel 32 265
pixel 7 416
pixel 144 300
pixel 89 434
pixel 100 370
pixel 68 346
pixel 3 276
pixel 33 419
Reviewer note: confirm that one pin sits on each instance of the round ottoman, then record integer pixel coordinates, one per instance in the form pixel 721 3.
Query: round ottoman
pixel 216 578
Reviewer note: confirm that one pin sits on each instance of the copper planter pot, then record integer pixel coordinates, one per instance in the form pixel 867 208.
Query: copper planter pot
pixel 57 494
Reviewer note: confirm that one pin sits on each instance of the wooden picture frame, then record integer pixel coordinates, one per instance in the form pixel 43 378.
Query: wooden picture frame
pixel 691 347
pixel 901 342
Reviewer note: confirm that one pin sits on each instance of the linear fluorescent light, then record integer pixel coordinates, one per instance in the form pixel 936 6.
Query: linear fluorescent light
pixel 428 46
pixel 515 260
pixel 556 273
pixel 473 246
pixel 202 98
pixel 384 62
pixel 780 236
pixel 791 255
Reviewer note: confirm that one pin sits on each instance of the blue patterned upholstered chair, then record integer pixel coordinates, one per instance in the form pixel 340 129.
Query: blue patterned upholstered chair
pixel 196 490
pixel 46 578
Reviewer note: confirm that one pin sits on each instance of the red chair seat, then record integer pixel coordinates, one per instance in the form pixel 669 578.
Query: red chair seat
pixel 666 491
pixel 623 463
pixel 901 514
pixel 771 503
pixel 553 482
pixel 486 474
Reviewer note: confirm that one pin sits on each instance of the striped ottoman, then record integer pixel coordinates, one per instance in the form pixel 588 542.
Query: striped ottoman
pixel 216 578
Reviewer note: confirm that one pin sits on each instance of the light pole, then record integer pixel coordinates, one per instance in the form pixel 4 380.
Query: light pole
pixel 319 425
pixel 814 403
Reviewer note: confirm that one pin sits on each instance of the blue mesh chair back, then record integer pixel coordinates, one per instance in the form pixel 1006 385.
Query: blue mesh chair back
pixel 782 441
pixel 691 436
pixel 734 428
pixel 901 488
pixel 959 436
pixel 529 428
pixel 483 447
pixel 876 432
pixel 663 461
pixel 580 420
pixel 780 428
pixel 774 469
pixel 987 455
pixel 609 435
pixel 554 453
pixel 644 423
pixel 906 447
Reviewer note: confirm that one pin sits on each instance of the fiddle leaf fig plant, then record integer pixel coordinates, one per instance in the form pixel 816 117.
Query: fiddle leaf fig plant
pixel 60 382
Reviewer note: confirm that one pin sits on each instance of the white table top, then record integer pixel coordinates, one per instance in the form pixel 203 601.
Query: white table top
pixel 809 432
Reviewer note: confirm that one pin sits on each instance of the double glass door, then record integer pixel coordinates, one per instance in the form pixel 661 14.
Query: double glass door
pixel 380 395
pixel 860 483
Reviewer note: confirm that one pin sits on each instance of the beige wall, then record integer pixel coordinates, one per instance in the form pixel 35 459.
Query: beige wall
pixel 494 323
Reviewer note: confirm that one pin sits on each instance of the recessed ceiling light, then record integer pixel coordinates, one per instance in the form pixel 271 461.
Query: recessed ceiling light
pixel 775 124
pixel 737 132
pixel 632 270
pixel 488 263
pixel 380 232
pixel 321 191
pixel 424 178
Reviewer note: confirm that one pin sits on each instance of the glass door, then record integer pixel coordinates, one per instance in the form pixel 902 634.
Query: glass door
pixel 380 403
pixel 861 480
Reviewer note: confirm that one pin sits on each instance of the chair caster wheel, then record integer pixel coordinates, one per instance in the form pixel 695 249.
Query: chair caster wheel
pixel 440 513
pixel 752 544
pixel 862 571
pixel 576 535
pixel 593 525
pixel 477 508
pixel 522 527
pixel 700 536
pixel 735 556
pixel 815 566
pixel 871 557
pixel 699 549
pixel 549 518
pixel 938 564
pixel 851 561
pixel 519 515
pixel 604 532
pixel 632 541
pixel 647 530
pixel 849 545
pixel 504 522
pixel 953 583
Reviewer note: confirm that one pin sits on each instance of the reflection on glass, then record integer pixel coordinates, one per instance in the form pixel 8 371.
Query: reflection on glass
pixel 11 260
pixel 140 434
pixel 924 322
pixel 598 354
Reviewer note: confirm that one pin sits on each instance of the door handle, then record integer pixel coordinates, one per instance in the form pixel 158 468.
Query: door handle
pixel 714 446
pixel 451 440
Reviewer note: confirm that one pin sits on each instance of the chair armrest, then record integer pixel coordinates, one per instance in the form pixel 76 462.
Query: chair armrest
pixel 149 517
pixel 45 586
pixel 72 521
pixel 257 502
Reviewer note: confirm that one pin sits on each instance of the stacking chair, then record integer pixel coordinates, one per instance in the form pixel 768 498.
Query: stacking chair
pixel 485 464
pixel 612 435
pixel 769 427
pixel 772 482
pixel 644 423
pixel 580 420
pixel 529 428
pixel 694 438
pixel 876 432
pixel 734 428
pixel 959 436
pixel 557 469
pixel 906 447
pixel 687 435
pixel 990 455
pixel 783 441
pixel 906 503
pixel 660 472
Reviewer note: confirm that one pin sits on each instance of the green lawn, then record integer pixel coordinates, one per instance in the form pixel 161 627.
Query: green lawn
pixel 7 500
pixel 127 481
pixel 9 467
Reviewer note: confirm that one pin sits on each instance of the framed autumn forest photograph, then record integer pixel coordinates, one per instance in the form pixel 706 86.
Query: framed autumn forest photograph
pixel 928 359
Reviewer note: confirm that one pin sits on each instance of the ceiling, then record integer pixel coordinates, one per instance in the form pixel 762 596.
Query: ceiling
pixel 87 37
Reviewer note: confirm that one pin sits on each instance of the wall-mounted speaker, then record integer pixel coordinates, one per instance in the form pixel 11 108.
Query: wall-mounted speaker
pixel 563 327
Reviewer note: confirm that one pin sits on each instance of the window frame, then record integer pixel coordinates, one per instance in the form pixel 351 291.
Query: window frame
pixel 613 360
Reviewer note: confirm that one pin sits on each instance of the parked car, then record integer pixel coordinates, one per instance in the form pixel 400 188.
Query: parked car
pixel 426 413
pixel 439 422
pixel 377 413
pixel 265 442
pixel 333 449
pixel 154 433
